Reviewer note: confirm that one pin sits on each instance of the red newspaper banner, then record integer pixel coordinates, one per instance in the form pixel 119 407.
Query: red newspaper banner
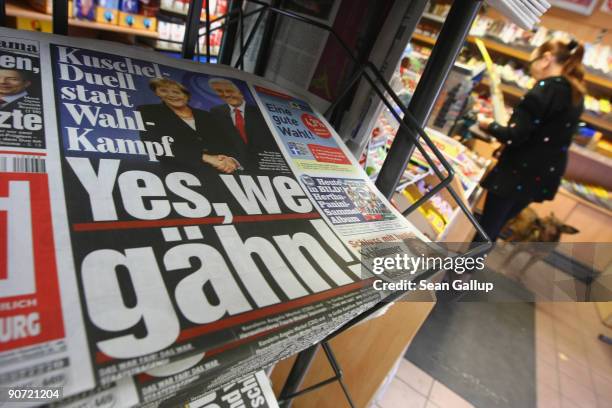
pixel 326 154
pixel 30 311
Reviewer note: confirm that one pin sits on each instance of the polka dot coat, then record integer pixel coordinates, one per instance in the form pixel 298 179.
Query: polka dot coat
pixel 536 141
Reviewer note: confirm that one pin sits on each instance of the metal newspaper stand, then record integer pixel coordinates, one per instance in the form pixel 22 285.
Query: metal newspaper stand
pixel 410 134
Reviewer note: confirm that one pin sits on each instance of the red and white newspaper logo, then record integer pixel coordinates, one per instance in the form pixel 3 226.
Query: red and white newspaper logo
pixel 315 125
pixel 30 311
pixel 16 269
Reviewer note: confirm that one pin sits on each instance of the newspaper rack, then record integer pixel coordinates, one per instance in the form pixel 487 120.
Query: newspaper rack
pixel 447 46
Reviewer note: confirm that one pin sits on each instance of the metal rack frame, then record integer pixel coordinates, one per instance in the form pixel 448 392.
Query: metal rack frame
pixel 408 138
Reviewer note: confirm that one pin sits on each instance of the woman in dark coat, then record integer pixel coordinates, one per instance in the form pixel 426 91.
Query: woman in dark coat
pixel 198 139
pixel 538 136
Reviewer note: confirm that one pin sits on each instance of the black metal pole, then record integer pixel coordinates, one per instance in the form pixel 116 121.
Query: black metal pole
pixel 245 47
pixel 241 35
pixel 208 31
pixel 60 17
pixel 447 47
pixel 411 19
pixel 296 375
pixel 2 13
pixel 229 36
pixel 338 370
pixel 192 26
pixel 266 42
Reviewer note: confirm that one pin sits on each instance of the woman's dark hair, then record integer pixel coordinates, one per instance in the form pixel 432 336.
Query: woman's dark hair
pixel 569 55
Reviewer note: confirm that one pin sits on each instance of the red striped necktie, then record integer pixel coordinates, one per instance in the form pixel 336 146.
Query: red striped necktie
pixel 239 119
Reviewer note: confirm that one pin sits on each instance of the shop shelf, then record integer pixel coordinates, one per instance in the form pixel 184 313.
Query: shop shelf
pixel 21 10
pixel 522 55
pixel 434 17
pixel 595 121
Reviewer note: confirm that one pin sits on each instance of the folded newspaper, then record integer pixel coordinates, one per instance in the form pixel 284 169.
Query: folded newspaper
pixel 168 227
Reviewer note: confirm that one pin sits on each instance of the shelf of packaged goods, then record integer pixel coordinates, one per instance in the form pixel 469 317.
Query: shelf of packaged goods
pixel 599 123
pixel 598 80
pixel 502 48
pixel 178 51
pixel 524 56
pixel 591 155
pixel 167 49
pixel 424 38
pixel 584 201
pixel 434 17
pixel 595 121
pixel 491 45
pixel 508 90
pixel 183 16
pixel 515 53
pixel 512 90
pixel 19 10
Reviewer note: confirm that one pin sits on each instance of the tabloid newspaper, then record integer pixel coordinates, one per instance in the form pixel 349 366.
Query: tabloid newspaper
pixel 168 227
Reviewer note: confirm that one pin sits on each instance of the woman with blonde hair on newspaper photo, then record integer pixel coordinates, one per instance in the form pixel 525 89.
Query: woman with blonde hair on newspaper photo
pixel 197 137
pixel 537 137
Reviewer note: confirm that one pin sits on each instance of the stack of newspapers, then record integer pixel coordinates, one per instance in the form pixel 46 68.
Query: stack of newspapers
pixel 525 13
pixel 169 229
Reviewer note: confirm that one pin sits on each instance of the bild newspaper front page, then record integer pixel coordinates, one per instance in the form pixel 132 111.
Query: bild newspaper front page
pixel 168 227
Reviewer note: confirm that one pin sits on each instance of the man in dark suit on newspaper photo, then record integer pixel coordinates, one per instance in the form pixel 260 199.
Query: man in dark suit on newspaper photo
pixel 13 88
pixel 198 139
pixel 243 123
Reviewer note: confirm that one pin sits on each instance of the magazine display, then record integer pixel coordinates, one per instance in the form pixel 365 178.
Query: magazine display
pixel 169 227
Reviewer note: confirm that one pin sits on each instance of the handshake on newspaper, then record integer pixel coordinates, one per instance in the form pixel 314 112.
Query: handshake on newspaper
pixel 222 163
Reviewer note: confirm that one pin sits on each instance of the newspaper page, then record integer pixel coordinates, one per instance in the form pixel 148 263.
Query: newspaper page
pixel 33 333
pixel 329 173
pixel 189 224
pixel 252 391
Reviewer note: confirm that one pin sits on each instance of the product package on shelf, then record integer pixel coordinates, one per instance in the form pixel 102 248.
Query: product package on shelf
pixel 410 74
pixel 44 6
pixel 604 147
pixel 470 166
pixel 32 23
pixel 376 152
pixel 216 7
pixel 597 57
pixel 171 29
pixel 595 194
pixel 108 11
pixel 171 227
pixel 418 177
pixel 85 9
pixel 382 136
pixel 170 35
pixel 451 102
pixel 137 21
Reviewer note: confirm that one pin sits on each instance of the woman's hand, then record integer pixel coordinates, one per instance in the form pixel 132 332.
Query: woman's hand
pixel 484 122
pixel 222 163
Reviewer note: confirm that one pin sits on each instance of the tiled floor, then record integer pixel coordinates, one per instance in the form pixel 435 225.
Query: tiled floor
pixel 574 368
pixel 414 388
